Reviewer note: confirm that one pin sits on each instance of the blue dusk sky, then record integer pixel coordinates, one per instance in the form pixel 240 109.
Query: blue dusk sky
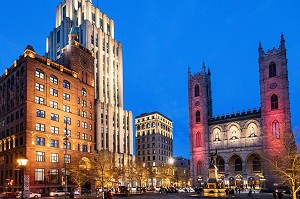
pixel 162 38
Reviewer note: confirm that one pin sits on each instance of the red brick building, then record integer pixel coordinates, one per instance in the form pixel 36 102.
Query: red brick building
pixel 40 102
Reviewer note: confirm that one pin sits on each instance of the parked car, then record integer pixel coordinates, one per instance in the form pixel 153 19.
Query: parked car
pixel 35 195
pixel 85 191
pixel 58 193
pixel 180 190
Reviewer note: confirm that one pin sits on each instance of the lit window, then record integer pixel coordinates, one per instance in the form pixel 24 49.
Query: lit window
pixel 66 96
pixel 40 127
pixel 39 73
pixel 84 148
pixel 84 125
pixel 53 79
pixel 39 87
pixel 39 176
pixel 67 120
pixel 67 133
pixel 83 92
pixel 39 100
pixel 83 103
pixel 54 143
pixel 67 158
pixel 83 114
pixel 54 130
pixel 53 92
pixel 67 145
pixel 40 156
pixel 40 113
pixel 53 104
pixel 54 157
pixel 66 108
pixel 84 136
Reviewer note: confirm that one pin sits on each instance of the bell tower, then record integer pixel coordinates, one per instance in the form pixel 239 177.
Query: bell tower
pixel 200 110
pixel 274 94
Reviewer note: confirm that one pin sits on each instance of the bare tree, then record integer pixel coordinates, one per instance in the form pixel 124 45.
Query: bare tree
pixel 287 166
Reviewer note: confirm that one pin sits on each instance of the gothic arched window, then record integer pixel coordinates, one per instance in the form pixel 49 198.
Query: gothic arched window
pixel 198 139
pixel 272 70
pixel 274 102
pixel 275 129
pixel 256 165
pixel 221 166
pixel 197 90
pixel 198 117
pixel 238 165
pixel 199 168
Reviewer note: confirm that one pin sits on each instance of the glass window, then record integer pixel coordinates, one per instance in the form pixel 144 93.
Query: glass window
pixel 68 144
pixel 40 127
pixel 66 108
pixel 274 102
pixel 40 156
pixel 221 166
pixel 66 84
pixel 40 141
pixel 256 165
pixel 84 148
pixel 40 113
pixel 54 117
pixel 67 120
pixel 83 103
pixel 238 165
pixel 53 176
pixel 197 90
pixel 83 114
pixel 67 133
pixel 53 92
pixel 198 116
pixel 84 125
pixel 54 143
pixel 83 92
pixel 53 104
pixel 84 136
pixel 272 70
pixel 39 175
pixel 67 158
pixel 275 129
pixel 39 100
pixel 39 87
pixel 54 130
pixel 66 96
pixel 54 157
pixel 39 73
pixel 53 79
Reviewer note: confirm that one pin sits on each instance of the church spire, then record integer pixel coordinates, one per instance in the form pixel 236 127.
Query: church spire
pixel 260 49
pixel 282 42
pixel 203 67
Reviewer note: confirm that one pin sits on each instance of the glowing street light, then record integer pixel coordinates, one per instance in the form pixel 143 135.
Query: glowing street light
pixel 22 162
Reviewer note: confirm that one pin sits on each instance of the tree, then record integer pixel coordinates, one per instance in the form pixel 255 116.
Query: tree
pixel 79 170
pixel 287 167
pixel 166 174
pixel 181 176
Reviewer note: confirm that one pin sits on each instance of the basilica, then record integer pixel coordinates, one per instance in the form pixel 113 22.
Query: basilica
pixel 243 138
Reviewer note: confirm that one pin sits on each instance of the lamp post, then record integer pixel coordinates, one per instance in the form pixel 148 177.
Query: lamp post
pixel 66 146
pixel 22 161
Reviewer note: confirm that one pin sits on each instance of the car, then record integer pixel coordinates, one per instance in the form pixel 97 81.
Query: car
pixel 35 195
pixel 58 193
pixel 180 190
pixel 85 191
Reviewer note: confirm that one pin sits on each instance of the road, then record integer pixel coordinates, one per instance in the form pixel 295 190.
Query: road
pixel 178 196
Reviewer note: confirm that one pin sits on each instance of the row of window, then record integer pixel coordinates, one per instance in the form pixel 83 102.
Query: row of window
pixel 54 104
pixel 67 145
pixel 148 125
pixel 40 157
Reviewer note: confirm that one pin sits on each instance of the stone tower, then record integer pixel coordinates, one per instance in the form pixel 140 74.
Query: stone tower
pixel 275 102
pixel 200 110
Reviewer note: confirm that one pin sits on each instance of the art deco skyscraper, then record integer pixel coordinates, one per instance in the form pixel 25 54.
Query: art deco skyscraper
pixel 96 32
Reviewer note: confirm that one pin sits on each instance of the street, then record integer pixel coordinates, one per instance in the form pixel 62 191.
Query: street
pixel 152 195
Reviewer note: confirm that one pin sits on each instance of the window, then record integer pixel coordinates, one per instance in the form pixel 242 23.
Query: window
pixel 83 114
pixel 66 96
pixel 256 165
pixel 238 164
pixel 40 141
pixel 67 145
pixel 39 87
pixel 272 70
pixel 84 125
pixel 275 129
pixel 53 104
pixel 84 136
pixel 39 100
pixel 197 116
pixel 40 127
pixel 199 168
pixel 39 73
pixel 54 157
pixel 54 143
pixel 67 158
pixel 54 130
pixel 83 103
pixel 67 120
pixel 274 102
pixel 221 166
pixel 66 84
pixel 39 175
pixel 53 79
pixel 198 139
pixel 84 148
pixel 67 132
pixel 83 92
pixel 53 176
pixel 40 156
pixel 54 117
pixel 66 108
pixel 53 92
pixel 197 92
pixel 40 113
pixel 58 36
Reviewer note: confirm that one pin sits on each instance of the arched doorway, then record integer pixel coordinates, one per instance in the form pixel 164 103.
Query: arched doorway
pixel 239 181
pixel 231 182
pixel 251 183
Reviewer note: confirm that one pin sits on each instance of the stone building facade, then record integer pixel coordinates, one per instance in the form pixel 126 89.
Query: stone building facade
pixel 96 32
pixel 41 104
pixel 242 139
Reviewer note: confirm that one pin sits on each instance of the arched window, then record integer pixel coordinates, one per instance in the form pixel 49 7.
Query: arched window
pixel 275 129
pixel 83 92
pixel 199 168
pixel 272 70
pixel 221 166
pixel 256 165
pixel 66 84
pixel 198 117
pixel 274 102
pixel 53 79
pixel 238 164
pixel 198 139
pixel 39 73
pixel 197 90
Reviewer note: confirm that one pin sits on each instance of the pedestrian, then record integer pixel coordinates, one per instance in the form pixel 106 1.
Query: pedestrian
pixel 109 195
pixel 250 193
pixel 239 190
pixel 274 195
pixel 279 195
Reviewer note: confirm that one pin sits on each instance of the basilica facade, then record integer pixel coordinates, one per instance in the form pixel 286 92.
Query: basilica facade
pixel 241 139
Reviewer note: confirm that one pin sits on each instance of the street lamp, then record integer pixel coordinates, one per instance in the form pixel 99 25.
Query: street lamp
pixel 22 161
pixel 65 158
